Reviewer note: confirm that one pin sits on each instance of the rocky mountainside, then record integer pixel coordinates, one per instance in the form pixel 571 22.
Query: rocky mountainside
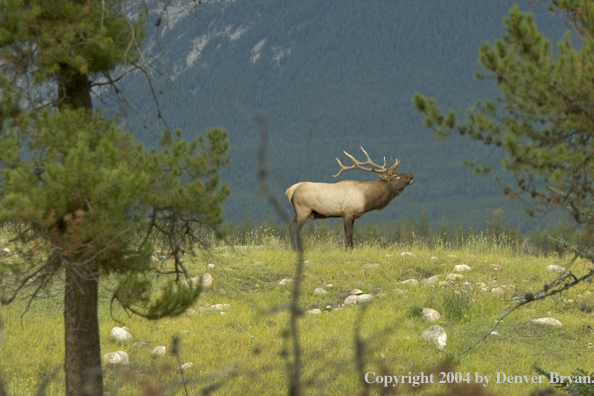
pixel 333 76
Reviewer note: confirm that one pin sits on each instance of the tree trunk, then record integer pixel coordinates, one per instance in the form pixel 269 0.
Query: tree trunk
pixel 82 363
pixel 74 89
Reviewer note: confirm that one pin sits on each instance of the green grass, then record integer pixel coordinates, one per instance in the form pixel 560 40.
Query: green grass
pixel 248 349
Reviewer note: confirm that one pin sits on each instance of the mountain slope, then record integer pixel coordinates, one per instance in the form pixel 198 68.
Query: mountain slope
pixel 333 76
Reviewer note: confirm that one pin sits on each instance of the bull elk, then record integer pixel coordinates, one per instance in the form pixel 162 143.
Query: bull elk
pixel 349 199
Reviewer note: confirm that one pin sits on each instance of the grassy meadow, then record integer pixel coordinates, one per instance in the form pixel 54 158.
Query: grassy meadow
pixel 247 350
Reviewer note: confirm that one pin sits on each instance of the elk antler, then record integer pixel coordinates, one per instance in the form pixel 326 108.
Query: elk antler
pixel 382 170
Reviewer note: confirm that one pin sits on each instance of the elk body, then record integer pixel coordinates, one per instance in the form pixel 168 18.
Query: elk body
pixel 348 199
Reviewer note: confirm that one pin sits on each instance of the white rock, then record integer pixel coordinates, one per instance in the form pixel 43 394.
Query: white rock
pixel 329 285
pixel 352 299
pixel 364 298
pixel 116 358
pixel 371 266
pixel 484 290
pixel 118 334
pixel 410 282
pixel 6 250
pixel 207 280
pixel 210 266
pixel 436 335
pixel 462 268
pixel 496 334
pixel 453 277
pixel 186 366
pixel 497 292
pixel 432 281
pixel 548 321
pixel 220 307
pixel 356 292
pixel 407 254
pixel 319 290
pixel 285 281
pixel 556 268
pixel 158 351
pixel 313 311
pixel 430 315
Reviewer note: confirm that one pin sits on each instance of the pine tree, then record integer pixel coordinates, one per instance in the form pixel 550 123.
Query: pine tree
pixel 86 198
pixel 543 120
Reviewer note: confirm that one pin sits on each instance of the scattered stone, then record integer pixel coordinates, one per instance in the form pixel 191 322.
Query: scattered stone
pixel 358 297
pixel 6 250
pixel 497 292
pixel 410 282
pixel 462 268
pixel 116 358
pixel 371 266
pixel 186 366
pixel 548 321
pixel 328 308
pixel 430 315
pixel 569 301
pixel 436 335
pixel 285 281
pixel 481 284
pixel 319 290
pixel 207 280
pixel 329 285
pixel 158 351
pixel 432 281
pixel 210 266
pixel 556 268
pixel 313 311
pixel 484 290
pixel 118 334
pixel 220 307
pixel 306 262
pixel 453 277
pixel 407 254
pixel 364 298
pixel 496 334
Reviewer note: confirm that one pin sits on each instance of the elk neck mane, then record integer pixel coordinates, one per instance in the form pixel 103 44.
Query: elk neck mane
pixel 379 193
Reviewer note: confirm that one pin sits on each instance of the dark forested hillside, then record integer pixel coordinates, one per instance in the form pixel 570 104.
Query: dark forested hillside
pixel 334 76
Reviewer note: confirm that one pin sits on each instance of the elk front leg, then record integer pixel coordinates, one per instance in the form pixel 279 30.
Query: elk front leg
pixel 348 232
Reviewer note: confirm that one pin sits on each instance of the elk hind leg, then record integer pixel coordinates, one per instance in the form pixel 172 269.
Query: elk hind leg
pixel 295 231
